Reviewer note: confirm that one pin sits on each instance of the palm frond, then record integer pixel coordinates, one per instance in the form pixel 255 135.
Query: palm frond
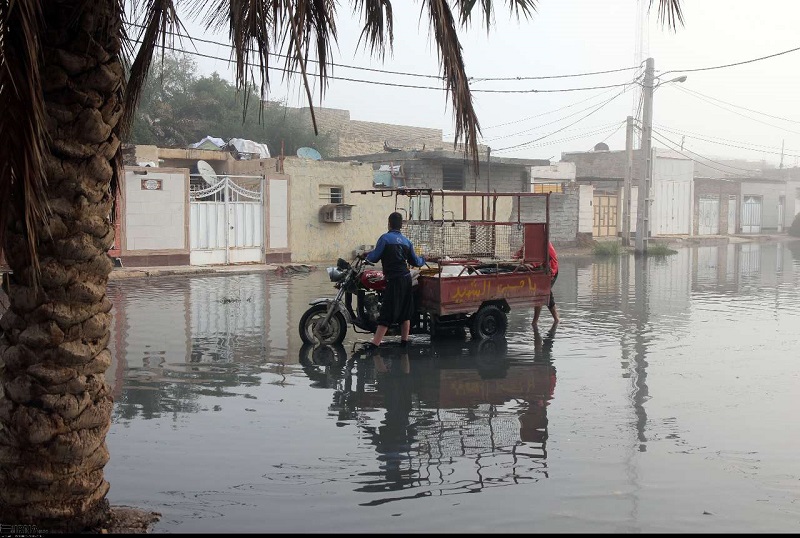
pixel 670 13
pixel 22 105
pixel 443 28
pixel 519 8
pixel 286 28
pixel 378 25
pixel 159 22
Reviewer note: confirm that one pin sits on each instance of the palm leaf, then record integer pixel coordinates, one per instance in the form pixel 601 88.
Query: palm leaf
pixel 669 12
pixel 159 20
pixel 442 26
pixel 22 105
pixel 378 25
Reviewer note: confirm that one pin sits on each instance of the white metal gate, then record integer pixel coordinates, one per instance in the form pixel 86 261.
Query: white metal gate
pixel 709 215
pixel 671 208
pixel 751 215
pixel 731 215
pixel 226 222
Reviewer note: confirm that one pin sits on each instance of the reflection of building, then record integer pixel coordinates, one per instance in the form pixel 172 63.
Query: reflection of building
pixel 173 340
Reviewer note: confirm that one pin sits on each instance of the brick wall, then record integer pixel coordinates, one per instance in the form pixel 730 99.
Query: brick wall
pixel 723 190
pixel 564 209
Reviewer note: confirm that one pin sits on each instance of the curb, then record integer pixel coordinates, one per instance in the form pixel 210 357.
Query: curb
pixel 124 274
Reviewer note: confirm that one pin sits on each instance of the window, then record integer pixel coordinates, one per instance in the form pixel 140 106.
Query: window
pixel 332 194
pixel 453 177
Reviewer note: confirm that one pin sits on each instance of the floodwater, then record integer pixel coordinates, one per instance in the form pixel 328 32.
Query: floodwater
pixel 665 401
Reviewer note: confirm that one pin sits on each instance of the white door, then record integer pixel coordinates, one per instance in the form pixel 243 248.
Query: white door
pixel 709 215
pixel 751 215
pixel 731 215
pixel 671 206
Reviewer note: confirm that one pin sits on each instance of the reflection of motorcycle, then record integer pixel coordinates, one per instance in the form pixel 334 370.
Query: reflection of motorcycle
pixel 444 409
pixel 327 319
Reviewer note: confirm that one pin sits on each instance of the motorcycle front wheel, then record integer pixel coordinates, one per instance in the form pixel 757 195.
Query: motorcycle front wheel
pixel 332 333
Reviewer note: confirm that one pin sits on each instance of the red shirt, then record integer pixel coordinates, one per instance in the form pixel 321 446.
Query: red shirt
pixel 553 259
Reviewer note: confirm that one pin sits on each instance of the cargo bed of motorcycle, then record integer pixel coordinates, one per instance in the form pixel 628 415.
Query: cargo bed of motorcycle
pixel 466 292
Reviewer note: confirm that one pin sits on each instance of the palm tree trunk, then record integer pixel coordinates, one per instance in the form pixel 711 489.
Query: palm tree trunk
pixel 55 405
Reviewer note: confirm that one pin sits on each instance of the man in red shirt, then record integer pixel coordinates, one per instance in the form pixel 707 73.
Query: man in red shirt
pixel 551 306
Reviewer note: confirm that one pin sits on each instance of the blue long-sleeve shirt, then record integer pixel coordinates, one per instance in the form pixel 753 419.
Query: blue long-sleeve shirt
pixel 395 252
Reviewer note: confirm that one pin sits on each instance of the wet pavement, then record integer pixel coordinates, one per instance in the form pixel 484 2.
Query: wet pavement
pixel 663 402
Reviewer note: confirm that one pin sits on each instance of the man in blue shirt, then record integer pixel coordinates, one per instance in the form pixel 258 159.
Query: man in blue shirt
pixel 395 252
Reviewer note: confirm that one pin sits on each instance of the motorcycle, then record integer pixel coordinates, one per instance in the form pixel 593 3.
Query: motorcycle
pixel 357 303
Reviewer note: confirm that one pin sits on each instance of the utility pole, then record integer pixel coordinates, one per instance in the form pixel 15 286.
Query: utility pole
pixel 626 202
pixel 782 145
pixel 646 179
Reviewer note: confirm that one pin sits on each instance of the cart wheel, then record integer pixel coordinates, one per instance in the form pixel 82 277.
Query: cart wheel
pixel 488 322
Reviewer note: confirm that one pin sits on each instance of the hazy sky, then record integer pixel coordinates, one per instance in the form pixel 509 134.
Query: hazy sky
pixel 576 36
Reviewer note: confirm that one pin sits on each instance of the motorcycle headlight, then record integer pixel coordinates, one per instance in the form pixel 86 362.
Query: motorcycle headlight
pixel 335 274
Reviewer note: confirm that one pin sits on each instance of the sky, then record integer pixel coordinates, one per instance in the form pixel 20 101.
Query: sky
pixel 707 113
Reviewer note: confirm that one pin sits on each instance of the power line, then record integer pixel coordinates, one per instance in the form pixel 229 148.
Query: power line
pixel 674 144
pixel 546 77
pixel 716 140
pixel 570 138
pixel 393 84
pixel 615 131
pixel 547 113
pixel 731 64
pixel 542 125
pixel 403 73
pixel 742 107
pixel 444 135
pixel 733 111
pixel 566 126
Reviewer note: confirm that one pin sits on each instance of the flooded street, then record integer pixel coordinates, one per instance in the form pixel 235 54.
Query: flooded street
pixel 663 402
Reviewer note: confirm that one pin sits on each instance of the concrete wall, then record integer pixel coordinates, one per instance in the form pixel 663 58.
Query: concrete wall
pixel 155 226
pixel 560 171
pixel 604 164
pixel 353 137
pixel 310 239
pixel 770 192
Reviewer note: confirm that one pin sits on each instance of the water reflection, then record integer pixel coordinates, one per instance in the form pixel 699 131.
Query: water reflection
pixel 455 416
pixel 656 368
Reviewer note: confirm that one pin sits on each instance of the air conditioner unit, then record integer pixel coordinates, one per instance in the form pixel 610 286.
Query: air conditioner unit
pixel 335 212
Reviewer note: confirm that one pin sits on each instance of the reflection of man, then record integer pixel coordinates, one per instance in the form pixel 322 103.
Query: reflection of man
pixel 533 421
pixel 543 347
pixel 396 435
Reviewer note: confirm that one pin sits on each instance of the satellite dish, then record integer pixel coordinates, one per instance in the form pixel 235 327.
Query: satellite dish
pixel 207 173
pixel 309 153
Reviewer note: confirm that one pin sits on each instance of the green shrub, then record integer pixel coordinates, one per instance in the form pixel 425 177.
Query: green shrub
pixel 607 248
pixel 659 249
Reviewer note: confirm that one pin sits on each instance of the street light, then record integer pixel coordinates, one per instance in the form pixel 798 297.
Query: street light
pixel 645 181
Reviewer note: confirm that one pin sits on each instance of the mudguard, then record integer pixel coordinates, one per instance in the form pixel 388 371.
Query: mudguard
pixel 339 306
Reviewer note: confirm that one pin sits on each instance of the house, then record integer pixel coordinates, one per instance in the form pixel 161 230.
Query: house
pixel 716 206
pixel 452 170
pixel 672 187
pixel 241 211
pixel 764 205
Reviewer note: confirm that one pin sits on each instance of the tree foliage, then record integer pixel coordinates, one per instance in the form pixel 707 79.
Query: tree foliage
pixel 178 108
